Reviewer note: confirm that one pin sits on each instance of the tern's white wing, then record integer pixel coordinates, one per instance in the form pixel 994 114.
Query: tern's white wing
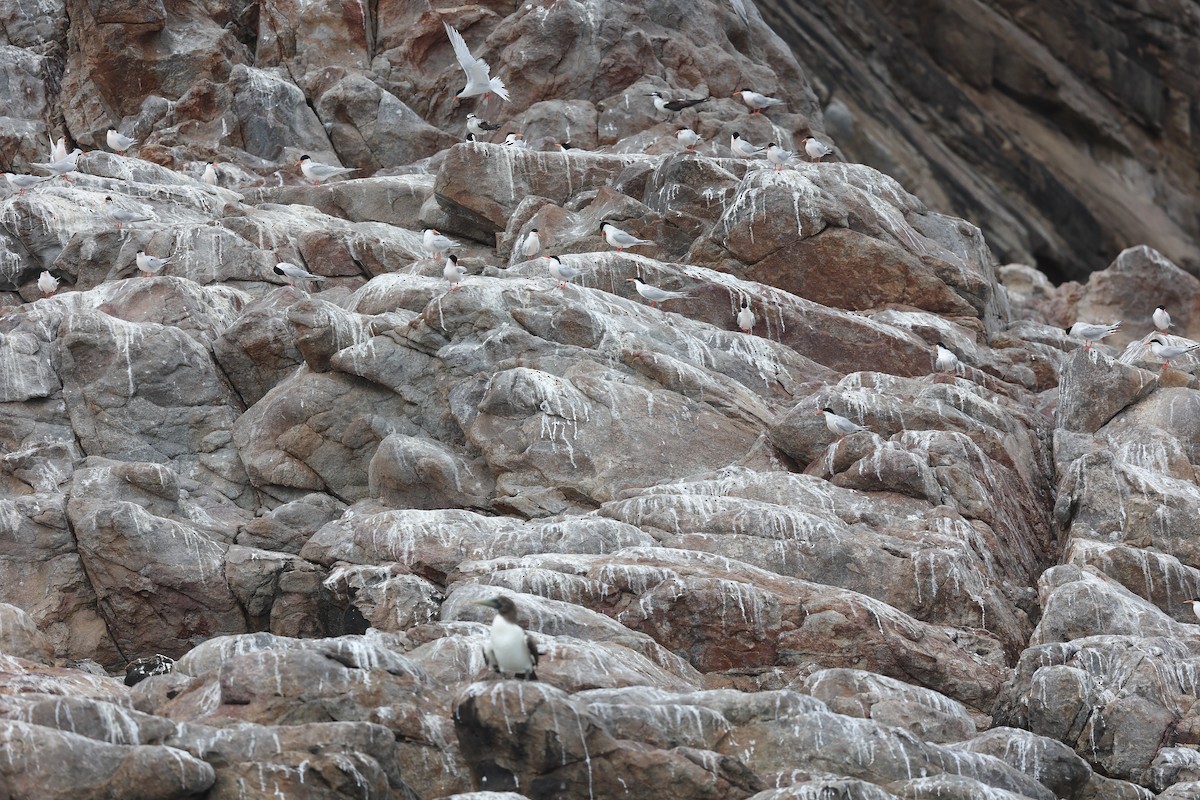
pixel 463 53
pixel 327 171
pixel 479 74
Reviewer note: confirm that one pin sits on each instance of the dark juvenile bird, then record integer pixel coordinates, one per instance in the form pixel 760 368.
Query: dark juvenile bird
pixel 676 104
pixel 511 651
pixel 480 127
pixel 137 671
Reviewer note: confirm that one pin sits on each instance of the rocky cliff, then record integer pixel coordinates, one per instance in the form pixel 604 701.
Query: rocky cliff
pixel 1065 129
pixel 275 507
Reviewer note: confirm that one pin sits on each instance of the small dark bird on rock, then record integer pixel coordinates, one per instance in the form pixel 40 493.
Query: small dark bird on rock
pixel 675 105
pixel 137 671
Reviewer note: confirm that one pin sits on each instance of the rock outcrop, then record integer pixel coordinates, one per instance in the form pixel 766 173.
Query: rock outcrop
pixel 300 495
pixel 1065 130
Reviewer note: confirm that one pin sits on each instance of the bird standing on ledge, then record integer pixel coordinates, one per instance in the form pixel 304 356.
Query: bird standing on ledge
pixel 511 651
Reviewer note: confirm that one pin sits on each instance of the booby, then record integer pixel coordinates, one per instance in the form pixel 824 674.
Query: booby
pixel 778 156
pixel 119 142
pixel 480 127
pixel 1169 352
pixel 561 272
pixel 944 360
pixel 620 239
pixel 839 425
pixel 1092 333
pixel 814 149
pixel 317 172
pixel 294 273
pixel 511 651
pixel 436 244
pixel 530 245
pixel 149 265
pixel 210 174
pixel 653 293
pixel 745 318
pixel 453 273
pixel 1162 320
pixel 674 105
pixel 47 283
pixel 23 182
pixel 757 102
pixel 688 137
pixel 123 216
pixel 741 147
pixel 479 74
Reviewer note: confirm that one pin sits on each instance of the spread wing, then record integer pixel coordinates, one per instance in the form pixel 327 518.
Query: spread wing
pixel 476 68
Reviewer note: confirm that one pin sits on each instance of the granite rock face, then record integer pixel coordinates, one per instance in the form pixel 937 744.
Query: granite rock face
pixel 301 494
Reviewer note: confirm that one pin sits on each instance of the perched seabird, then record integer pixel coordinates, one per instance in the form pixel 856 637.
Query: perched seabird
pixel 1092 333
pixel 944 360
pixel 839 425
pixel 815 150
pixel 119 142
pixel 620 239
pixel 674 105
pixel 137 671
pixel 778 156
pixel 1162 320
pixel 47 283
pixel 561 272
pixel 317 172
pixel 653 293
pixel 511 651
pixel 471 137
pixel 123 216
pixel 64 166
pixel 149 265
pixel 479 79
pixel 1195 604
pixel 294 273
pixel 688 137
pixel 23 182
pixel 436 244
pixel 741 147
pixel 210 174
pixel 757 102
pixel 565 146
pixel 480 127
pixel 530 245
pixel 58 150
pixel 745 318
pixel 514 139
pixel 453 273
pixel 1169 352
